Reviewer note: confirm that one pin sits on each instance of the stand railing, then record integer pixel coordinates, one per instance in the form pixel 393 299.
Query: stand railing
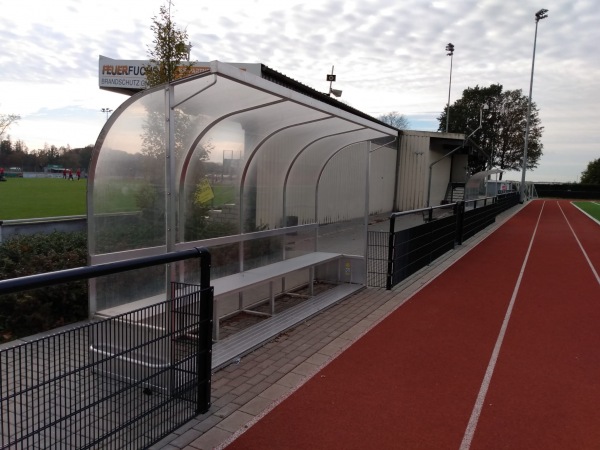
pixel 123 382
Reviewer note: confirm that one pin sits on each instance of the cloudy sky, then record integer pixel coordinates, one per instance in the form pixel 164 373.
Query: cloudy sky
pixel 388 56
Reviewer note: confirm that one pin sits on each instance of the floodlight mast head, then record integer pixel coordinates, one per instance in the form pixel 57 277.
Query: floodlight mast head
pixel 107 111
pixel 450 50
pixel 541 14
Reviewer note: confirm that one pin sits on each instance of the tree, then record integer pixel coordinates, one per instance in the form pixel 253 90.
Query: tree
pixel 591 175
pixel 166 64
pixel 501 137
pixel 12 154
pixel 6 147
pixel 396 120
pixel 21 147
pixel 169 50
pixel 6 120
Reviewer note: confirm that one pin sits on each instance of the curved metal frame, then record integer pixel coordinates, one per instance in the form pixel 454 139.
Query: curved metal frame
pixel 190 152
pixel 287 175
pixel 256 150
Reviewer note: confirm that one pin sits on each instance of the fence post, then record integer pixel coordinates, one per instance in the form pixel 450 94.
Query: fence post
pixel 460 213
pixel 204 348
pixel 390 265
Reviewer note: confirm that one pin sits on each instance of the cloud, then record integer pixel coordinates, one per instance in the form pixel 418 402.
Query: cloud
pixel 388 55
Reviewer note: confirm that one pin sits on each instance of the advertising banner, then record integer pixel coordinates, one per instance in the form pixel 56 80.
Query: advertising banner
pixel 122 74
pixel 128 76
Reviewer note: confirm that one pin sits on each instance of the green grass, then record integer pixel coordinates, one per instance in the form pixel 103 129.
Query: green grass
pixel 118 196
pixel 592 208
pixel 27 198
pixel 224 194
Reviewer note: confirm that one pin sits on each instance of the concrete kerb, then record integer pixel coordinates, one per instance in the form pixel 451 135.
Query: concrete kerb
pixel 229 417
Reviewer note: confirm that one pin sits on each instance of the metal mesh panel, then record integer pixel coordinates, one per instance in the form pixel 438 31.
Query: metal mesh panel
pixel 124 382
pixel 477 219
pixel 377 262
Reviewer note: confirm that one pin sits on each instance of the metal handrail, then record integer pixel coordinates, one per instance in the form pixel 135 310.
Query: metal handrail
pixel 81 273
pixel 412 211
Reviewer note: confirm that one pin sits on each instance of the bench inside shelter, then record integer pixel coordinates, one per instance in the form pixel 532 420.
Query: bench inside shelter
pixel 246 292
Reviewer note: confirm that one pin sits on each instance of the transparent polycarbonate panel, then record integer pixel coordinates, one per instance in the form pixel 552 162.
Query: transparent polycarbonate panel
pixel 209 188
pixel 128 197
pixel 263 251
pixel 300 188
pixel 383 161
pixel 212 172
pixel 126 287
pixel 264 186
pixel 200 104
pixel 202 98
pixel 345 236
pixel 225 260
pixel 185 91
pixel 342 197
pixel 298 243
pixel 206 193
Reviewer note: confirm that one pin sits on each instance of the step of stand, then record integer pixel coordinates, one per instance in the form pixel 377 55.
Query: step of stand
pixel 228 349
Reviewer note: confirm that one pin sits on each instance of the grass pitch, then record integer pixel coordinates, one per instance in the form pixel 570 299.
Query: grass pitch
pixel 592 208
pixel 27 198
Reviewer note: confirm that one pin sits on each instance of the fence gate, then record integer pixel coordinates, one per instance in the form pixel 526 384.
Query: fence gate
pixel 377 258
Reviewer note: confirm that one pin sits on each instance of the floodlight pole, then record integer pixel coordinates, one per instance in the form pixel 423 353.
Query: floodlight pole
pixel 107 111
pixel 450 50
pixel 541 14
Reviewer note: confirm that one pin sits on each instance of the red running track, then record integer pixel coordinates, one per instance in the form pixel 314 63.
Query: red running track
pixel 502 350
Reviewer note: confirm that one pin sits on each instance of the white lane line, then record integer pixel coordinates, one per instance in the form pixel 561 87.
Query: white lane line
pixel 472 425
pixel 580 246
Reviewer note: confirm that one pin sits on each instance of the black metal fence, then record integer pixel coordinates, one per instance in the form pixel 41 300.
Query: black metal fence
pixel 568 190
pixel 123 382
pixel 398 253
pixel 377 258
pixel 419 246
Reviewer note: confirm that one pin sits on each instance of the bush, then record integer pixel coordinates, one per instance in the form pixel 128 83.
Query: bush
pixel 30 312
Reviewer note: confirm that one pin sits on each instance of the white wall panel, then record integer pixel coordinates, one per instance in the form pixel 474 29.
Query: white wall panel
pixel 382 180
